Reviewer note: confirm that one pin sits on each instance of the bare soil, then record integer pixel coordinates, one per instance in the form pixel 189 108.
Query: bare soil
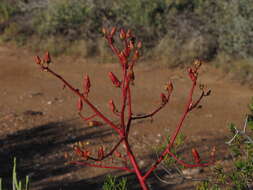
pixel 39 121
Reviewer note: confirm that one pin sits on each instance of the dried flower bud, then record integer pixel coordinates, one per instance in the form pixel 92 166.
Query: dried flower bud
pixel 197 63
pixel 100 152
pixel 139 45
pixel 37 60
pixel 136 55
pixel 122 34
pixel 129 34
pixel 47 58
pixel 202 87
pixel 118 154
pixel 94 123
pixel 163 98
pixel 196 156
pixel 113 31
pixel 86 85
pixel 123 58
pixel 169 87
pixel 131 45
pixel 112 106
pixel 114 79
pixel 79 104
pixel 104 31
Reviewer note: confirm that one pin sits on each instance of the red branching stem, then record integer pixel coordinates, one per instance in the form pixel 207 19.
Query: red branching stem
pixel 149 115
pixel 174 136
pixel 102 166
pixel 191 165
pixel 129 112
pixel 135 166
pixel 125 88
pixel 198 101
pixel 87 118
pixel 154 112
pixel 108 154
pixel 186 111
pixel 76 91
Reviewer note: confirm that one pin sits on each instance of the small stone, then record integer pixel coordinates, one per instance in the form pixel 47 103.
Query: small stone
pixel 141 163
pixel 49 102
pixel 209 115
pixel 192 171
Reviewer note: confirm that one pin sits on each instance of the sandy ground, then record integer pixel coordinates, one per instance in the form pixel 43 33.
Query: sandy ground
pixel 39 120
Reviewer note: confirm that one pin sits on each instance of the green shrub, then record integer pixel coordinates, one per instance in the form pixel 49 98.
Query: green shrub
pixel 240 174
pixel 16 184
pixel 112 183
pixel 7 11
pixel 61 17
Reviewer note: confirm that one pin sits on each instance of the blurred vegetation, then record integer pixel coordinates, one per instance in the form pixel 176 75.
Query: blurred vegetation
pixel 173 31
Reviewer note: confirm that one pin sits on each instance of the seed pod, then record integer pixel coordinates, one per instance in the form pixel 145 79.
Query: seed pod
pixel 163 98
pixel 139 45
pixel 37 60
pixel 85 154
pixel 123 59
pixel 197 63
pixel 136 55
pixel 114 80
pixel 94 123
pixel 47 58
pixel 113 31
pixel 122 34
pixel 131 45
pixel 100 152
pixel 86 85
pixel 129 34
pixel 169 87
pixel 79 104
pixel 196 156
pixel 118 154
pixel 112 106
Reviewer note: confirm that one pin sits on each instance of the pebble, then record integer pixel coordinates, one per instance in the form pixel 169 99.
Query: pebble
pixel 141 163
pixel 209 115
pixel 49 102
pixel 192 171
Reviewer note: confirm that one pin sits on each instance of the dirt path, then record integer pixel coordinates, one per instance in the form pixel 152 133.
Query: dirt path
pixel 39 123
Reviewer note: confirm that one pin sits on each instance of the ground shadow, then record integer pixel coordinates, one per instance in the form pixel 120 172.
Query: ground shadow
pixel 39 151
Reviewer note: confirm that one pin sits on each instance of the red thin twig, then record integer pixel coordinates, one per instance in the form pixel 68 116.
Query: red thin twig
pixel 172 140
pixel 76 91
pixel 190 165
pixel 86 118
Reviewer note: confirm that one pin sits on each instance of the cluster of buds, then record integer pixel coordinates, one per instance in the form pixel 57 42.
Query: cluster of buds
pixel 114 79
pixel 128 55
pixel 169 88
pixel 46 60
pixel 193 71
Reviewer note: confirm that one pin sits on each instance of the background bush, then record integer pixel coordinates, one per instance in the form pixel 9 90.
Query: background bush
pixel 173 31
